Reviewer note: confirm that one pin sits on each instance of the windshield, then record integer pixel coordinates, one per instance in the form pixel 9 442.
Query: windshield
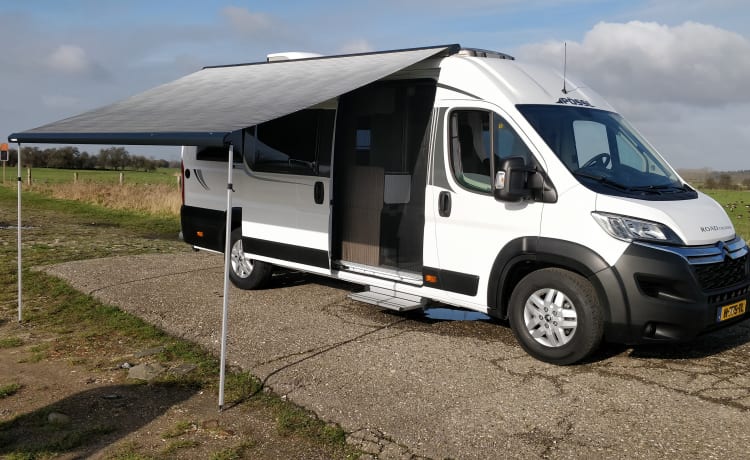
pixel 605 153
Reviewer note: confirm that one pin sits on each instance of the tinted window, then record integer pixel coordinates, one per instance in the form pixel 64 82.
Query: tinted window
pixel 605 153
pixel 298 143
pixel 216 154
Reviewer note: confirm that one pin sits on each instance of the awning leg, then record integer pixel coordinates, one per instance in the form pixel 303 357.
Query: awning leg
pixel 227 267
pixel 20 258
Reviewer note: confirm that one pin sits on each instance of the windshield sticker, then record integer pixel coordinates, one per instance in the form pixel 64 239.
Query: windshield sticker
pixel 570 100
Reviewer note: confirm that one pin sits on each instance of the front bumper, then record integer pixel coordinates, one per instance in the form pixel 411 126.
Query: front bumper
pixel 663 293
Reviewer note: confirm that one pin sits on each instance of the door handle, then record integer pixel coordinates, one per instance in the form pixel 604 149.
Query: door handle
pixel 319 192
pixel 444 204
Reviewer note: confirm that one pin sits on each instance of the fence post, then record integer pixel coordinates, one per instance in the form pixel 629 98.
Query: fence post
pixel 75 177
pixel 122 178
pixel 28 175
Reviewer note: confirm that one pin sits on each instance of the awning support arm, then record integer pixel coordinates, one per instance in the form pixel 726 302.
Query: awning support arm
pixel 20 258
pixel 227 267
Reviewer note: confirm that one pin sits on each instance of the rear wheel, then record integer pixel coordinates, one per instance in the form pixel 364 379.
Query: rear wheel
pixel 555 316
pixel 244 272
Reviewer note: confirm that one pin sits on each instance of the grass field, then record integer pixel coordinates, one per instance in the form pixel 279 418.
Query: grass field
pixel 155 192
pixel 167 176
pixel 158 192
pixel 735 203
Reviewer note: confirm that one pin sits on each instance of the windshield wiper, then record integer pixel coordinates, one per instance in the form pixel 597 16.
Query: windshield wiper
pixel 661 188
pixel 602 180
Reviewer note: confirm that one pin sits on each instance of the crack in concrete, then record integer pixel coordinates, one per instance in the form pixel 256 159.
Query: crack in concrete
pixel 376 443
pixel 726 402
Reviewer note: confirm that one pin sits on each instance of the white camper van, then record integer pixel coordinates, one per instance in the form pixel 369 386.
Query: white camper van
pixel 471 179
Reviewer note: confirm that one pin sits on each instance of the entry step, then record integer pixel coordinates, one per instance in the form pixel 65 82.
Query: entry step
pixel 388 298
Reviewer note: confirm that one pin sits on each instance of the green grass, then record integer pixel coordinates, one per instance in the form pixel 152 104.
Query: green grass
pixel 10 342
pixel 60 176
pixel 178 430
pixel 9 389
pixel 740 215
pixel 91 215
pixel 174 446
pixel 233 453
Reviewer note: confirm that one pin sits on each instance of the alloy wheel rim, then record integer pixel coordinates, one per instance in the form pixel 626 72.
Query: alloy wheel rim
pixel 550 317
pixel 241 265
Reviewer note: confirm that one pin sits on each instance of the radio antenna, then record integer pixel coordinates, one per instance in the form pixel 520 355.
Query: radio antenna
pixel 565 66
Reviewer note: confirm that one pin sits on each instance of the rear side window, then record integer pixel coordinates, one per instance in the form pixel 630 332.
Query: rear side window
pixel 216 154
pixel 298 143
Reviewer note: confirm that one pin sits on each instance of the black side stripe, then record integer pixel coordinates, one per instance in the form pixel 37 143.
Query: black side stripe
pixel 283 251
pixel 446 280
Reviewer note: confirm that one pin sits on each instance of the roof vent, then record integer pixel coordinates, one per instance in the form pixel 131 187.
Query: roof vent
pixel 290 56
pixel 484 53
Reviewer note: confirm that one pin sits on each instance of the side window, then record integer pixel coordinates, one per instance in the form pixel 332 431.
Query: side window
pixel 591 140
pixel 629 155
pixel 469 134
pixel 298 143
pixel 480 140
pixel 507 142
pixel 216 154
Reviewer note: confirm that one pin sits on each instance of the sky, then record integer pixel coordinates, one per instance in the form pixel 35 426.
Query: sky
pixel 678 70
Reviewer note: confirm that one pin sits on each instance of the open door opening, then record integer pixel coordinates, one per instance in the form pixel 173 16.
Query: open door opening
pixel 380 171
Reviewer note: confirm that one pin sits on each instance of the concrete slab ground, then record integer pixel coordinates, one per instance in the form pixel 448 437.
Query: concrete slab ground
pixel 406 386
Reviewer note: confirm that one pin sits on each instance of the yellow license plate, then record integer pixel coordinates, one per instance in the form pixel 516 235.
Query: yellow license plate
pixel 731 311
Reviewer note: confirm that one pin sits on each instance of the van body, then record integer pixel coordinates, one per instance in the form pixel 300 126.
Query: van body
pixel 480 182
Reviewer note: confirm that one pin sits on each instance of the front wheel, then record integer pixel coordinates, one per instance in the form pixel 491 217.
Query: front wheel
pixel 555 316
pixel 244 272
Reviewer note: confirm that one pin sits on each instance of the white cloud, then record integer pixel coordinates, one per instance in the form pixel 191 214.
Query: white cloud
pixel 59 101
pixel 73 60
pixel 248 23
pixel 684 87
pixel 692 63
pixel 69 59
pixel 356 46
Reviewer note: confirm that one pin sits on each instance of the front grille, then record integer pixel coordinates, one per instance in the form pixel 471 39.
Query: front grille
pixel 729 296
pixel 722 274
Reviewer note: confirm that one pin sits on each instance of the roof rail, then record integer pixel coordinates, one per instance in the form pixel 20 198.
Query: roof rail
pixel 476 52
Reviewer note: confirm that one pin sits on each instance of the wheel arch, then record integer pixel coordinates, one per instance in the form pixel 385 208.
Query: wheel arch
pixel 524 255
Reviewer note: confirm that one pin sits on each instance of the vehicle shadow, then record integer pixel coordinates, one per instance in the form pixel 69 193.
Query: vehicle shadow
pixel 85 422
pixel 288 278
pixel 458 322
pixel 710 344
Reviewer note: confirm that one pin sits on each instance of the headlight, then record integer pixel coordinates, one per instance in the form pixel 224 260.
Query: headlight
pixel 629 229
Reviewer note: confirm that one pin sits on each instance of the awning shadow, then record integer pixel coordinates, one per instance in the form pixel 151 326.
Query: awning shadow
pixel 88 421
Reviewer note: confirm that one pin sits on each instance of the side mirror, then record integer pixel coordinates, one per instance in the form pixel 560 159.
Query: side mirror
pixel 510 180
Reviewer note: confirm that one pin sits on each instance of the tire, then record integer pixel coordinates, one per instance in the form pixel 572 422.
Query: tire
pixel 555 316
pixel 246 273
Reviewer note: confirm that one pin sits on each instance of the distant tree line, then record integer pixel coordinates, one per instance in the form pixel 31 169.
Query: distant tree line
pixel 114 158
pixel 724 181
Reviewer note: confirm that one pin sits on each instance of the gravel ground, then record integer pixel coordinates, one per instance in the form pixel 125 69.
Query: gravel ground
pixel 405 386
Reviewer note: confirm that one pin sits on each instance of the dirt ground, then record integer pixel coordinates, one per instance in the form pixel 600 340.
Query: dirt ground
pixel 63 396
pixel 126 418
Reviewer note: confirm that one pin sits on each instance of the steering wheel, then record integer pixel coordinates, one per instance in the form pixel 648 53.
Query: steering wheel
pixel 601 160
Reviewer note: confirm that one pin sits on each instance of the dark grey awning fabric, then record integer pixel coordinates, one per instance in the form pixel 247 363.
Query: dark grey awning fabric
pixel 204 107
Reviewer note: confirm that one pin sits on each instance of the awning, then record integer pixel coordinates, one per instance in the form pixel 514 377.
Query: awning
pixel 203 108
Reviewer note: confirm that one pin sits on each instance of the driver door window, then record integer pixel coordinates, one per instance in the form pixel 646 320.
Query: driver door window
pixel 469 149
pixel 480 140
